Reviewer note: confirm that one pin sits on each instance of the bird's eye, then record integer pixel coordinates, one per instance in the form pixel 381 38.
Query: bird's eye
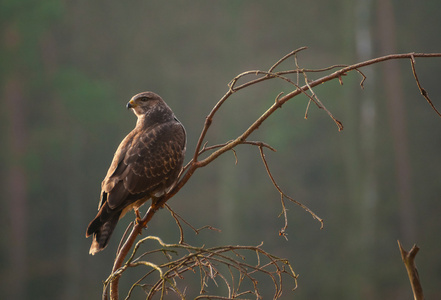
pixel 144 99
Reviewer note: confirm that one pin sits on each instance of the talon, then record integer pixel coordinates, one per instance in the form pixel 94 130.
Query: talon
pixel 138 216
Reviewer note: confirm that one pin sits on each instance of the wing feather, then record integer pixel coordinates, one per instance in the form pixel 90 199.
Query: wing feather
pixel 144 164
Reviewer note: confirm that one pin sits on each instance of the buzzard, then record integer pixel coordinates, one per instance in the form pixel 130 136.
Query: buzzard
pixel 145 165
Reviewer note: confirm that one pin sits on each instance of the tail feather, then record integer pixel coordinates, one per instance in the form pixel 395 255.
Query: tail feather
pixel 102 228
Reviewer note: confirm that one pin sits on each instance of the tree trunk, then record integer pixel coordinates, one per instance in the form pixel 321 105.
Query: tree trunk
pixel 16 187
pixel 397 117
pixel 367 136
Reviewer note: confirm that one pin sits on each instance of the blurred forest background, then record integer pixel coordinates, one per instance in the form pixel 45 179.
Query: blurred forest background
pixel 69 67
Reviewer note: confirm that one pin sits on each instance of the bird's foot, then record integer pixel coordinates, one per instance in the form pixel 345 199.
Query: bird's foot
pixel 138 216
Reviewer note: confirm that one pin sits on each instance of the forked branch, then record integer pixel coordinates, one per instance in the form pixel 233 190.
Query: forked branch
pixel 412 272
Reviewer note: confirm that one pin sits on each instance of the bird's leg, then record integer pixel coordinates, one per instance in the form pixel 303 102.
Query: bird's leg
pixel 138 216
pixel 154 201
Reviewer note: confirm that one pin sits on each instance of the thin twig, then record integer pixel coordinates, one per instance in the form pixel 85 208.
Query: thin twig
pixel 124 237
pixel 422 90
pixel 286 57
pixel 207 262
pixel 321 105
pixel 283 195
pixel 177 217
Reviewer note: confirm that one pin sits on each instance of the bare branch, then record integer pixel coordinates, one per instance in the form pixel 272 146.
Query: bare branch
pixel 422 90
pixel 285 58
pixel 409 262
pixel 321 105
pixel 206 262
pixel 124 237
pixel 283 195
pixel 177 217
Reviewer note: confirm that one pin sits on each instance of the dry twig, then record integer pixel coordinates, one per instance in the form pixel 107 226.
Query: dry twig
pixel 207 263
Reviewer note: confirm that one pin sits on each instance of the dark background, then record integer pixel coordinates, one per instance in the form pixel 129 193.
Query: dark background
pixel 69 67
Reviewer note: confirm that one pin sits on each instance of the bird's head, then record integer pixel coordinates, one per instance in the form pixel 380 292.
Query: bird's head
pixel 144 102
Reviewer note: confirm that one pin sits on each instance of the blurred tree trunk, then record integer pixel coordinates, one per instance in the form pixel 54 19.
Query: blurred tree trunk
pixel 351 157
pixel 74 221
pixel 368 197
pixel 360 154
pixel 74 217
pixel 367 129
pixel 17 187
pixel 397 117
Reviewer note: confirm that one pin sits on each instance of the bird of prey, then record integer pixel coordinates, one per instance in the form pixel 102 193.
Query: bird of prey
pixel 145 165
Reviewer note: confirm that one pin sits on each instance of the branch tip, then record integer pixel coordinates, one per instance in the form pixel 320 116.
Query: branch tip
pixel 412 272
pixel 278 97
pixel 422 90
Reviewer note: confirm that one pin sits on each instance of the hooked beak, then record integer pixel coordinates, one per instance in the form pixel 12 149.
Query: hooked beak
pixel 131 104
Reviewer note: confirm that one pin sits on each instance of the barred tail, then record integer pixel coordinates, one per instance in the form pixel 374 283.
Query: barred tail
pixel 102 228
